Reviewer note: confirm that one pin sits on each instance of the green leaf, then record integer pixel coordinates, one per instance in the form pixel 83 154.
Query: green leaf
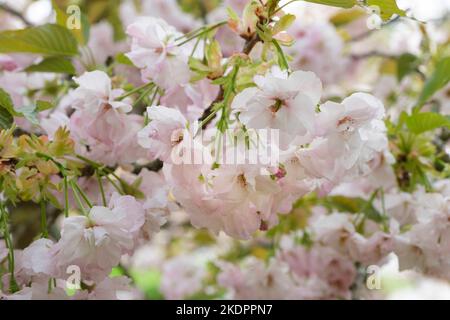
pixel 49 39
pixel 62 17
pixel 42 105
pixel 336 3
pixel 53 64
pixel 6 118
pixel 387 8
pixel 197 65
pixel 114 19
pixel 6 102
pixel 123 59
pixel 356 205
pixel 282 61
pixel 344 17
pixel 30 113
pixel 232 14
pixel 439 78
pixel 406 64
pixel 426 121
pixel 284 23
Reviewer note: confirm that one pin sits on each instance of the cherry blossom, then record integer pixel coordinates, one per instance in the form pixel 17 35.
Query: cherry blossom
pixel 154 50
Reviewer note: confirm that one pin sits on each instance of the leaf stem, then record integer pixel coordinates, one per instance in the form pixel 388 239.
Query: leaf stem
pixel 13 286
pixel 44 230
pixel 100 185
pixel 204 31
pixel 135 90
pixel 77 198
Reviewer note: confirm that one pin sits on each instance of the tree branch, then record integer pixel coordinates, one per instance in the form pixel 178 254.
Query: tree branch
pixel 248 47
pixel 15 13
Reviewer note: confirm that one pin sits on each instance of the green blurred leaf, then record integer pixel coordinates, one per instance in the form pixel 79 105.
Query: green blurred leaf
pixel 6 102
pixel 344 17
pixel 406 63
pixel 42 105
pixel 439 78
pixel 115 21
pixel 232 14
pixel 123 59
pixel 54 65
pixel 284 23
pixel 149 282
pixel 426 121
pixel 388 8
pixel 6 110
pixel 82 34
pixel 355 205
pixel 6 119
pixel 49 39
pixel 30 113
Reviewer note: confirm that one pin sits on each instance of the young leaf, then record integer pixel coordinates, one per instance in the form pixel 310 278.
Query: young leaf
pixel 42 105
pixel 30 113
pixel 281 57
pixel 232 14
pixel 426 121
pixel 439 78
pixel 54 65
pixel 123 59
pixel 6 118
pixel 6 102
pixel 81 34
pixel 387 8
pixel 284 23
pixel 49 39
pixel 344 17
pixel 406 63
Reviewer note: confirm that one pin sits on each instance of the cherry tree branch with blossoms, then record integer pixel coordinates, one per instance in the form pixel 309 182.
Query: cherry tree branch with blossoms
pixel 235 149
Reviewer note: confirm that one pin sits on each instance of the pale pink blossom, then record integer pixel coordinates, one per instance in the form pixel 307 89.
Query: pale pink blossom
pixel 115 288
pixel 255 280
pixel 182 277
pixel 351 138
pixel 281 101
pixel 191 99
pixel 7 63
pixel 333 270
pixel 169 10
pixel 155 51
pixel 108 136
pixel 318 48
pixel 39 258
pixel 166 130
pixel 425 246
pixel 95 93
pixel 96 242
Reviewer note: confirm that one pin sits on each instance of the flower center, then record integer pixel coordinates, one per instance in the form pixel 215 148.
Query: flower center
pixel 176 137
pixel 241 180
pixel 346 123
pixel 277 105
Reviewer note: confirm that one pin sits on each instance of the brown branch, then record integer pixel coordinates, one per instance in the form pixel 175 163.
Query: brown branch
pixel 15 13
pixel 370 32
pixel 371 54
pixel 248 47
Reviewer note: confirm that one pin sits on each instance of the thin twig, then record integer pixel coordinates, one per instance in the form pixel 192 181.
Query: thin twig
pixel 370 32
pixel 208 113
pixel 15 13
